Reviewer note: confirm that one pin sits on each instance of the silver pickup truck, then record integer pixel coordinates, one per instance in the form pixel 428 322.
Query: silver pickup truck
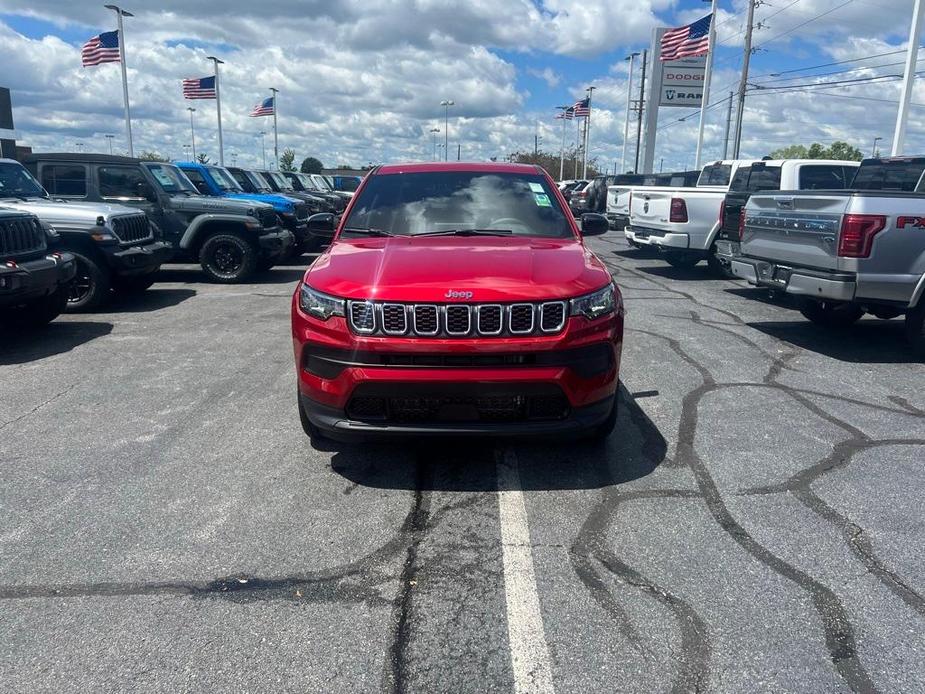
pixel 844 253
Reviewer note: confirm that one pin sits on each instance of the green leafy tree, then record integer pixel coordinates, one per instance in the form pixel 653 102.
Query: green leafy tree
pixel 310 165
pixel 287 160
pixel 203 158
pixel 152 156
pixel 550 162
pixel 838 150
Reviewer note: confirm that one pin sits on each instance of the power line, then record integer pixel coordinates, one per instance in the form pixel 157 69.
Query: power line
pixel 828 74
pixel 803 24
pixel 838 62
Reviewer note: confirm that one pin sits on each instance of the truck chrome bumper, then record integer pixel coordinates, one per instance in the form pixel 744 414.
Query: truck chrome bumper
pixel 671 241
pixel 799 281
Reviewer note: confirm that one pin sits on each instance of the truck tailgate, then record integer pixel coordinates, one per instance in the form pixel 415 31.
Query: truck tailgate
pixel 801 229
pixel 618 200
pixel 651 208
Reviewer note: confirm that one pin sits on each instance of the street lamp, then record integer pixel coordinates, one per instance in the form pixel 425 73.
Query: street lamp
pixel 80 146
pixel 109 137
pixel 192 130
pixel 446 103
pixel 874 152
pixel 434 132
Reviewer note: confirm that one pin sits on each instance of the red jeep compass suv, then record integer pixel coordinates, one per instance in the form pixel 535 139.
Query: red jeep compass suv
pixel 457 299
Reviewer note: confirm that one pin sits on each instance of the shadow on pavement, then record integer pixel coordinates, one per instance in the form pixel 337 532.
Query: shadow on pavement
pixel 638 253
pixel 56 338
pixel 764 295
pixel 153 299
pixel 193 274
pixel 866 342
pixel 697 273
pixel 465 465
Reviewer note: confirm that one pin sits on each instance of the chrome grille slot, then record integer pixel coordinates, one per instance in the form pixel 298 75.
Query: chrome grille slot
pixel 489 319
pixel 363 316
pixel 520 319
pixel 394 319
pixel 552 316
pixel 20 235
pixel 458 319
pixel 131 228
pixel 425 319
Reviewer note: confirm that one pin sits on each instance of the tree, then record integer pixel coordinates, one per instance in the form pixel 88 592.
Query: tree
pixel 287 160
pixel 310 165
pixel 152 156
pixel 550 162
pixel 838 150
pixel 202 158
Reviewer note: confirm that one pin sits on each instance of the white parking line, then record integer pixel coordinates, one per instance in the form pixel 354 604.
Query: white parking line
pixel 529 652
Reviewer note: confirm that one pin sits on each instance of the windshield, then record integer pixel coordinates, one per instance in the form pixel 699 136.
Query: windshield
pixel 308 182
pixel 715 175
pixel 224 179
pixel 887 174
pixel 17 182
pixel 349 184
pixel 421 203
pixel 321 183
pixel 257 180
pixel 281 181
pixel 171 179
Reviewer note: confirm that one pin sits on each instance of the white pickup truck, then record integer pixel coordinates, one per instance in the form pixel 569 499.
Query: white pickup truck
pixel 618 194
pixel 682 222
pixel 844 253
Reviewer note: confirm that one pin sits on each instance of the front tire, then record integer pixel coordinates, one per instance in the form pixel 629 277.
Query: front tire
pixel 227 258
pixel 90 287
pixel 831 314
pixel 915 328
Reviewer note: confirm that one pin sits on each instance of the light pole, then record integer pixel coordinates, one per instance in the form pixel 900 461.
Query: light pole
pixel 446 103
pixel 234 158
pixel 263 147
pixel 218 108
pixel 629 100
pixel 120 13
pixel 109 137
pixel 874 151
pixel 192 130
pixel 80 146
pixel 433 132
pixel 562 115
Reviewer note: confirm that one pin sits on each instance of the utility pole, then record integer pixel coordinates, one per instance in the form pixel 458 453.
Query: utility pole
pixel 707 74
pixel 120 13
pixel 218 108
pixel 629 101
pixel 192 130
pixel 746 57
pixel 642 93
pixel 899 135
pixel 728 124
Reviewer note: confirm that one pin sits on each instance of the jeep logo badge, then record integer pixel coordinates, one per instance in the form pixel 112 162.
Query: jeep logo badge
pixel 453 294
pixel 645 208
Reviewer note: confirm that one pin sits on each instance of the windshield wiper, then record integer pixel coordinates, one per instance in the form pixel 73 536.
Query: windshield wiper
pixel 372 231
pixel 467 232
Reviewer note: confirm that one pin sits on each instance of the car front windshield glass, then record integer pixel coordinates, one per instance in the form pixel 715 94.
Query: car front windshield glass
pixel 16 181
pixel 257 180
pixel 459 201
pixel 308 182
pixel 171 179
pixel 224 180
pixel 281 181
pixel 321 183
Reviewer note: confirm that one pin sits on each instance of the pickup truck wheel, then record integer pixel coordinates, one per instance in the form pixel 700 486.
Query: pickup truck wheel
pixel 227 258
pixel 915 328
pixel 90 286
pixel 831 314
pixel 682 260
pixel 133 285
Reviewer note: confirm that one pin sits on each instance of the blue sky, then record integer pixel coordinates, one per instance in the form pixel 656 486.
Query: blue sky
pixel 362 79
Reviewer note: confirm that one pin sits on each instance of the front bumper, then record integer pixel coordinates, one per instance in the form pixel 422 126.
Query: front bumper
pixel 34 278
pixel 138 260
pixel 275 242
pixel 817 284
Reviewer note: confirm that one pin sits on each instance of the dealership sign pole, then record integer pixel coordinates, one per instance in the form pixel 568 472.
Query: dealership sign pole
pixel 629 102
pixel 902 115
pixel 708 71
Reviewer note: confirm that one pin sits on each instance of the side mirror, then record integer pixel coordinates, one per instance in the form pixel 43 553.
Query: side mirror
pixel 323 222
pixel 145 191
pixel 593 224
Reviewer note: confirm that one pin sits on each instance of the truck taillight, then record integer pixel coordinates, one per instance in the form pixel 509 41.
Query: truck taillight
pixel 678 211
pixel 722 213
pixel 742 224
pixel 857 234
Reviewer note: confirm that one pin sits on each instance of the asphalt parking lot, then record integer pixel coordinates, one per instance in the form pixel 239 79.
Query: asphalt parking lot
pixel 755 523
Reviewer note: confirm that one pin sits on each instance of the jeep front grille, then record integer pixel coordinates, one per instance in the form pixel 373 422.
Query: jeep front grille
pixel 457 320
pixel 20 235
pixel 131 228
pixel 267 218
pixel 301 211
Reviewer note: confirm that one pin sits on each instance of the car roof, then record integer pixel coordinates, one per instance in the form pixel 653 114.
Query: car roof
pixel 90 157
pixel 460 166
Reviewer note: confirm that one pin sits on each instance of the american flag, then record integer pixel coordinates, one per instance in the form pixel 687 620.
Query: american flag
pixel 101 49
pixel 582 109
pixel 687 41
pixel 566 113
pixel 264 108
pixel 199 88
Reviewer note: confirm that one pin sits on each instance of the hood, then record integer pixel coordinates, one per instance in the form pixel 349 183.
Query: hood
pixel 285 204
pixel 425 269
pixel 202 203
pixel 64 213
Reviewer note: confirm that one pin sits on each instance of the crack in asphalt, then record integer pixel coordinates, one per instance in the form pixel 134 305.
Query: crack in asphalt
pixel 38 407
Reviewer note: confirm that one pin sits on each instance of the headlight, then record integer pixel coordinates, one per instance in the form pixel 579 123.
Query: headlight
pixel 595 305
pixel 319 305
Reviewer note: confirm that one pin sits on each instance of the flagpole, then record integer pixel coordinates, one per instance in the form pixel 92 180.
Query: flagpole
pixel 192 130
pixel 218 109
pixel 590 90
pixel 707 76
pixel 562 148
pixel 899 134
pixel 275 131
pixel 120 13
pixel 629 102
pixel 577 145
